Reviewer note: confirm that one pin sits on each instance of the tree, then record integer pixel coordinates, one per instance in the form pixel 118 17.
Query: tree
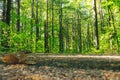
pixel 37 22
pixel 18 13
pixel 66 33
pixel 96 26
pixel 4 11
pixel 88 37
pixel 8 12
pixel 53 36
pixel 101 17
pixel 74 30
pixel 46 46
pixel 79 33
pixel 61 41
pixel 7 21
pixel 115 33
pixel 62 26
pixel 32 16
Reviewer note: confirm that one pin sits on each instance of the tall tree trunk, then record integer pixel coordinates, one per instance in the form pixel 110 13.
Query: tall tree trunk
pixel 4 11
pixel 7 20
pixel 74 30
pixel 109 17
pixel 3 19
pixel 96 27
pixel 101 17
pixel 67 37
pixel 88 37
pixel 53 24
pixel 115 34
pixel 79 33
pixel 61 41
pixel 46 45
pixel 8 12
pixel 18 14
pixel 36 22
pixel 32 16
pixel 41 20
pixel 31 23
pixel 73 33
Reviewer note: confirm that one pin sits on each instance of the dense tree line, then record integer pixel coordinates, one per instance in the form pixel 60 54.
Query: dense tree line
pixel 60 26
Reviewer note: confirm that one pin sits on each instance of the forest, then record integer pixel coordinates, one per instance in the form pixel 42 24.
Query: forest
pixel 60 26
pixel 59 39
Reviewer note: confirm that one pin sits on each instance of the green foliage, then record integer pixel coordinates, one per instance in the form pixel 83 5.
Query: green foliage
pixel 26 39
pixel 19 41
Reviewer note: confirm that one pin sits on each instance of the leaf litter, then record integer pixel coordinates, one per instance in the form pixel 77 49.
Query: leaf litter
pixel 62 69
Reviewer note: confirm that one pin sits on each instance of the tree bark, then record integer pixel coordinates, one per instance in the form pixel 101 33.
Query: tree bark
pixel 101 17
pixel 52 23
pixel 66 33
pixel 61 41
pixel 115 34
pixel 96 27
pixel 32 16
pixel 8 12
pixel 4 11
pixel 36 22
pixel 18 14
pixel 79 33
pixel 88 41
pixel 46 36
pixel 7 21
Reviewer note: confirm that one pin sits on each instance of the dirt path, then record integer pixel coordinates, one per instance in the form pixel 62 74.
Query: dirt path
pixel 115 58
pixel 62 67
pixel 75 56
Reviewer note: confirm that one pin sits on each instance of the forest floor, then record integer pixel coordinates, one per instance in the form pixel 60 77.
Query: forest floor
pixel 61 67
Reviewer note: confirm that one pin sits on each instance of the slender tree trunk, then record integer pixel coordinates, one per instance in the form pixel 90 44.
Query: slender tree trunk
pixel 52 23
pixel 40 21
pixel 101 17
pixel 4 11
pixel 88 38
pixel 76 33
pixel 73 34
pixel 7 20
pixel 8 12
pixel 36 22
pixel 32 16
pixel 3 19
pixel 46 32
pixel 115 34
pixel 66 31
pixel 61 41
pixel 79 34
pixel 18 14
pixel 31 23
pixel 109 17
pixel 96 26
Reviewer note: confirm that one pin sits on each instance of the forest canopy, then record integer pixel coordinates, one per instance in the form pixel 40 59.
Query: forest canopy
pixel 60 26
